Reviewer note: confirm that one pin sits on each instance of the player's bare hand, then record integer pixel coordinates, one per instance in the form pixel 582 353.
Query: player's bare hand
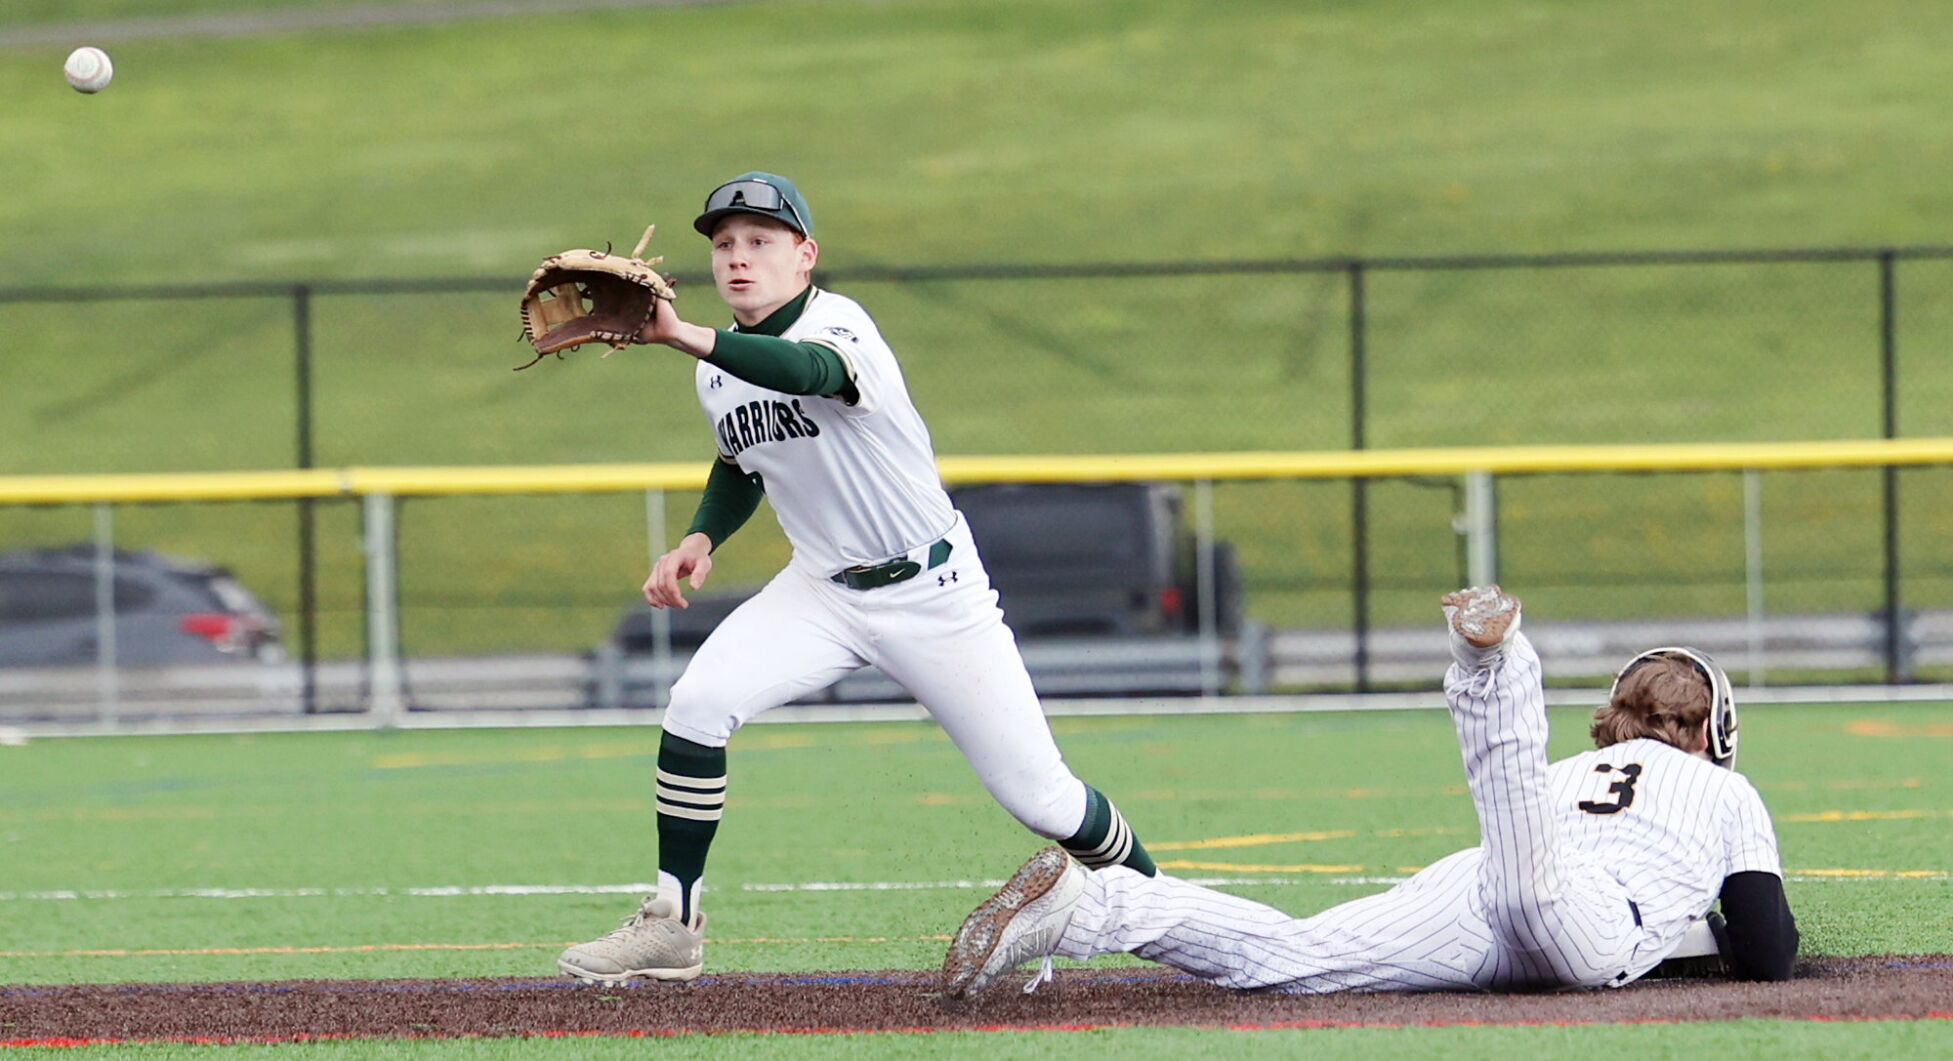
pixel 667 327
pixel 663 325
pixel 1482 615
pixel 691 561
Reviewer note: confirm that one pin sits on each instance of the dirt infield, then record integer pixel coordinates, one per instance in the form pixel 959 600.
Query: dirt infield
pixel 1871 988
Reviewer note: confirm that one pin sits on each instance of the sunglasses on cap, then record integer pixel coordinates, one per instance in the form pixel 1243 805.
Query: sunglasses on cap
pixel 752 195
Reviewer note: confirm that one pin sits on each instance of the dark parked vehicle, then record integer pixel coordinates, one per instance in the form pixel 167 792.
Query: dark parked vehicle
pixel 1075 566
pixel 166 611
pixel 1091 560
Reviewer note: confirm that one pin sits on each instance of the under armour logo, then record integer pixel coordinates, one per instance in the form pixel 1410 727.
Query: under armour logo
pixel 944 580
pixel 717 381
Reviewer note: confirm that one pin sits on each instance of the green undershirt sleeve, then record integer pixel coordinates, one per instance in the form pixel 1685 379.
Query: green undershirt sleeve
pixel 729 500
pixel 776 364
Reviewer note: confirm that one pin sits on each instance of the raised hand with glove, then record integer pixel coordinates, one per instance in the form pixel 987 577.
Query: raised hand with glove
pixel 587 296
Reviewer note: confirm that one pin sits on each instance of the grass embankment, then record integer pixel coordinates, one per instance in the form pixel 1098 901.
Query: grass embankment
pixel 945 133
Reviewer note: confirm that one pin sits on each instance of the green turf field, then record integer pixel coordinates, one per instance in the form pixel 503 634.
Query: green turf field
pixel 960 131
pixel 344 829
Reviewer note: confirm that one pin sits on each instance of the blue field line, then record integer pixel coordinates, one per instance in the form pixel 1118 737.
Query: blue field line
pixel 345 987
pixel 808 980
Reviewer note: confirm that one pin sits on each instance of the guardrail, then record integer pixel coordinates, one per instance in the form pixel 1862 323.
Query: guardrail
pixel 1337 464
pixel 1356 310
pixel 1479 468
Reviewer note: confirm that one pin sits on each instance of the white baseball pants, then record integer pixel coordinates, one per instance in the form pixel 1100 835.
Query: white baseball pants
pixel 1513 913
pixel 939 634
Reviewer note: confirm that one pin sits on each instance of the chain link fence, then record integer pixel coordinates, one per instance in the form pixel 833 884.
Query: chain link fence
pixel 1103 358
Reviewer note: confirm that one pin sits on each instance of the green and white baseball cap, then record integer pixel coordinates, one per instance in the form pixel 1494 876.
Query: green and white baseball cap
pixel 765 194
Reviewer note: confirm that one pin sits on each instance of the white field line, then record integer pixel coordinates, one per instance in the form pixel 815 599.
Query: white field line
pixel 580 718
pixel 449 891
pixel 459 890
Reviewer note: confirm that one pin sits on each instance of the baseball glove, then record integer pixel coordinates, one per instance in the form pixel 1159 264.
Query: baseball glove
pixel 586 296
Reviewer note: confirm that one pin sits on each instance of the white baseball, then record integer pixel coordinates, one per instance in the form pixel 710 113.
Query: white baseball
pixel 88 69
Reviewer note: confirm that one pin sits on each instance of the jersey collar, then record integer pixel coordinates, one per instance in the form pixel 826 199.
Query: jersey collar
pixel 778 321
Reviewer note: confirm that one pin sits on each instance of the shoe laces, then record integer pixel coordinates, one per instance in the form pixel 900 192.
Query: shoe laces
pixel 637 917
pixel 1044 975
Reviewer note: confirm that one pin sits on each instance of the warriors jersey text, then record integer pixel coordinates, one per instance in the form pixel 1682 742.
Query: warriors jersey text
pixel 852 484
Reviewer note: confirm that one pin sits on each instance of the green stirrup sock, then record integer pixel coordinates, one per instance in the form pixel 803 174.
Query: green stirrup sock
pixel 1105 839
pixel 691 798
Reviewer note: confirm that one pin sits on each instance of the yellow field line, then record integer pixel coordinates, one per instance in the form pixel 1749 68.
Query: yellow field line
pixel 1875 874
pixel 1878 727
pixel 1863 815
pixel 549 753
pixel 1306 867
pixel 1253 840
pixel 631 804
pixel 1265 839
pixel 1247 867
pixel 1434 830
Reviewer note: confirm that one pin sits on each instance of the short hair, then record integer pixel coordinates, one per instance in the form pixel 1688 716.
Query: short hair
pixel 799 237
pixel 1663 698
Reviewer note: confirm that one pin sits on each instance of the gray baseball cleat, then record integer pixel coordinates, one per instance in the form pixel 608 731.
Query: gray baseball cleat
pixel 1024 920
pixel 651 944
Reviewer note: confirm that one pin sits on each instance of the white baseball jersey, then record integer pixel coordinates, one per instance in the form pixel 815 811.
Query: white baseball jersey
pixel 1588 873
pixel 852 484
pixel 857 485
pixel 1670 825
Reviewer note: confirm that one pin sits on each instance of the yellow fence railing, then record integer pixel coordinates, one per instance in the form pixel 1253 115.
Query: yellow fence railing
pixel 1342 464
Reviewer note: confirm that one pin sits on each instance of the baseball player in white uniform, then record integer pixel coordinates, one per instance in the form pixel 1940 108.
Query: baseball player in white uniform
pixel 1589 871
pixel 809 408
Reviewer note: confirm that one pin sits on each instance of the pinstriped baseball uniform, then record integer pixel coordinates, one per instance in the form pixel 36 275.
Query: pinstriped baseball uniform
pixel 1588 871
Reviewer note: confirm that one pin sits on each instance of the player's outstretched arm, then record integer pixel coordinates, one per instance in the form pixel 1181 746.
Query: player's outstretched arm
pixel 1762 935
pixel 1483 624
pixel 668 328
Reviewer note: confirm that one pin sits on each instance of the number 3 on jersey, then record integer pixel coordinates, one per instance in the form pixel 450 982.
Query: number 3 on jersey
pixel 1622 790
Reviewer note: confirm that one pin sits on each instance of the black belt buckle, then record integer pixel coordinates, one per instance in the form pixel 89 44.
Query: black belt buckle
pixel 894 571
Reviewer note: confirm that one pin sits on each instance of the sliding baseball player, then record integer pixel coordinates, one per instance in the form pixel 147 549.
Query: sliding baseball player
pixel 1589 871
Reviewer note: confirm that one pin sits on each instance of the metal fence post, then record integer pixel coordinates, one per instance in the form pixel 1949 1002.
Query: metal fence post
pixel 107 685
pixel 1896 668
pixel 389 699
pixel 1206 589
pixel 308 576
pixel 1753 569
pixel 654 522
pixel 1359 488
pixel 1481 529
